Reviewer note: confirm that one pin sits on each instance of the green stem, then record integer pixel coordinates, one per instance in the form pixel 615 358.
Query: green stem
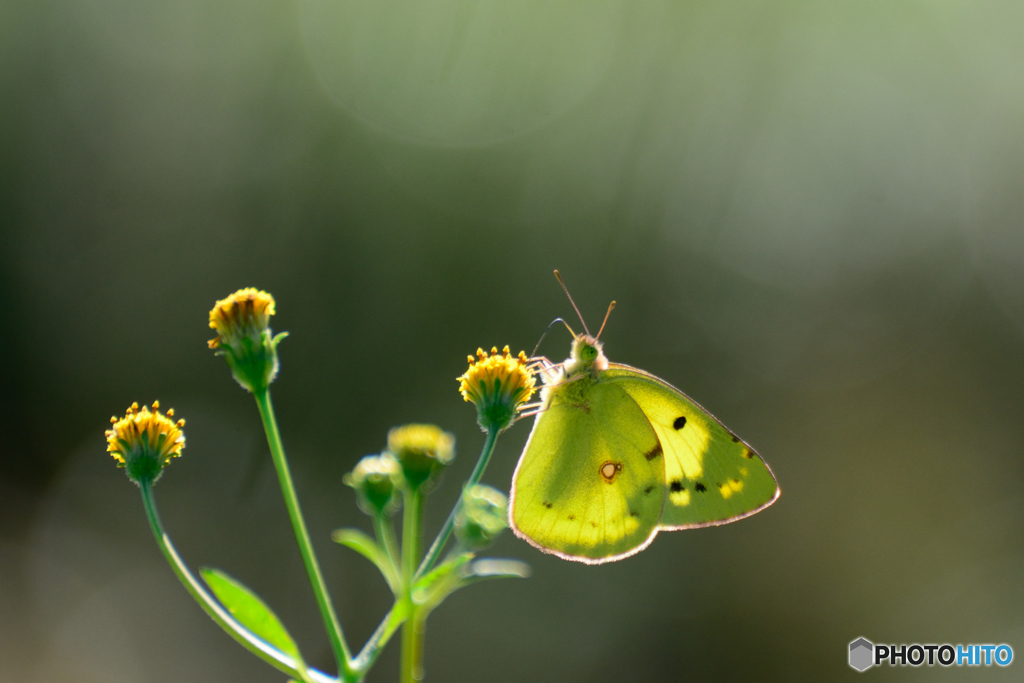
pixel 413 631
pixel 291 501
pixel 411 664
pixel 446 531
pixel 256 645
pixel 411 523
pixel 392 620
pixel 386 538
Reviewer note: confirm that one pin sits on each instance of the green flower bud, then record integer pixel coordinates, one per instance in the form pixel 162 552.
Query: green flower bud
pixel 374 479
pixel 482 517
pixel 242 321
pixel 422 451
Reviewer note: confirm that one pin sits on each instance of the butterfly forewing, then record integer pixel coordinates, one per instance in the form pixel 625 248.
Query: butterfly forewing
pixel 712 476
pixel 590 485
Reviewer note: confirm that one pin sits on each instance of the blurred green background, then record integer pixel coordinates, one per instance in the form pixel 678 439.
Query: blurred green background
pixel 810 214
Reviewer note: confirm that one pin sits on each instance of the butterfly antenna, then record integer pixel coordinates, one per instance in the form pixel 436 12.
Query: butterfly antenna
pixel 556 320
pixel 610 307
pixel 566 290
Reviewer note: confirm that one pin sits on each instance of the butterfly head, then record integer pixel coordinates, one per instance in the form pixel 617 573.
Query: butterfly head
pixel 587 356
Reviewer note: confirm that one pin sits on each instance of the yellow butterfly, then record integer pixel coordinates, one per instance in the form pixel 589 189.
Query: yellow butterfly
pixel 617 455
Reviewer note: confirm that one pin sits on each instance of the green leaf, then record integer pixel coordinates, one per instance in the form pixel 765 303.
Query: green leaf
pixel 368 548
pixel 494 569
pixel 435 586
pixel 251 612
pixel 439 573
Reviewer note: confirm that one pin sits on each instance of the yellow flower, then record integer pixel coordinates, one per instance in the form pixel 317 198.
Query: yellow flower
pixel 242 322
pixel 422 451
pixel 499 385
pixel 143 442
pixel 244 313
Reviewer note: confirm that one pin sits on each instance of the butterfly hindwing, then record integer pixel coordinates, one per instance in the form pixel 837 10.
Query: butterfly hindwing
pixel 590 485
pixel 712 476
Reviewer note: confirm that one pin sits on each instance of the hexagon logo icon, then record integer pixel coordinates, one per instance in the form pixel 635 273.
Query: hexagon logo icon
pixel 862 654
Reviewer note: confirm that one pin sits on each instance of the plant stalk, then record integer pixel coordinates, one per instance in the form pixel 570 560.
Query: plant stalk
pixel 413 631
pixel 446 531
pixel 220 616
pixel 291 501
pixel 411 663
pixel 392 620
pixel 386 538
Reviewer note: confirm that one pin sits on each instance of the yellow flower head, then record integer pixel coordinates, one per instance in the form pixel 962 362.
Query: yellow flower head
pixel 242 321
pixel 143 442
pixel 499 385
pixel 245 313
pixel 422 451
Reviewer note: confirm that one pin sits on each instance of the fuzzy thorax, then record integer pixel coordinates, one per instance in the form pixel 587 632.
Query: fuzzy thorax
pixel 586 359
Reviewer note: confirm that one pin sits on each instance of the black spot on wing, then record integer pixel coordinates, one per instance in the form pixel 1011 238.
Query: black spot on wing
pixel 680 422
pixel 735 439
pixel 547 505
pixel 634 513
pixel 572 517
pixel 700 488
pixel 648 490
pixel 653 453
pixel 676 486
pixel 748 454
